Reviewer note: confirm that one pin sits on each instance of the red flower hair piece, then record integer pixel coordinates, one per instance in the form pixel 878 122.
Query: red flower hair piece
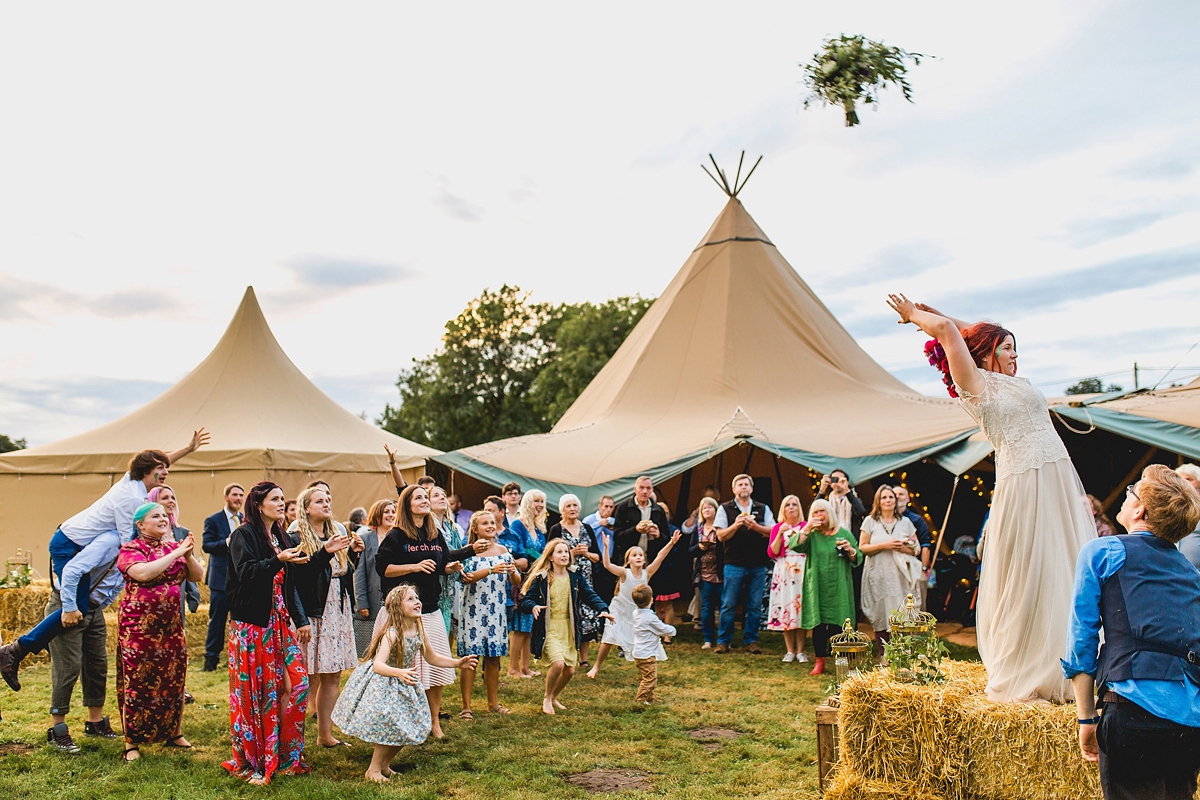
pixel 937 358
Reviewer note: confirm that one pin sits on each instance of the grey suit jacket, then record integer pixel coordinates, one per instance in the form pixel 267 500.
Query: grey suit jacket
pixel 366 579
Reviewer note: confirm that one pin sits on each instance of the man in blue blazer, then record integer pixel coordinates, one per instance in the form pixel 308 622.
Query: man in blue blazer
pixel 216 544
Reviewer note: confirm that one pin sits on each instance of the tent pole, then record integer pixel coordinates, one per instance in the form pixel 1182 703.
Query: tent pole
pixel 779 476
pixel 945 521
pixel 685 490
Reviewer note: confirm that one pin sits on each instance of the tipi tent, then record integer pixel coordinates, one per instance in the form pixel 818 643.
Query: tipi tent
pixel 737 349
pixel 267 420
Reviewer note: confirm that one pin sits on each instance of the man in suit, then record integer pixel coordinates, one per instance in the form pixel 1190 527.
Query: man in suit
pixel 216 544
pixel 639 522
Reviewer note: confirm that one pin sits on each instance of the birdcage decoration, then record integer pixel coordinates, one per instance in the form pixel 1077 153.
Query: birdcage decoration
pixel 851 654
pixel 914 652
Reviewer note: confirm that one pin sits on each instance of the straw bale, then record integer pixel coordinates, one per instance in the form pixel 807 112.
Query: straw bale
pixel 846 784
pixel 1021 751
pixel 902 733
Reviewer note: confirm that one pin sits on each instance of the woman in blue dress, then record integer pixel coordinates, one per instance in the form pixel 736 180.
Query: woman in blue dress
pixel 530 528
pixel 483 629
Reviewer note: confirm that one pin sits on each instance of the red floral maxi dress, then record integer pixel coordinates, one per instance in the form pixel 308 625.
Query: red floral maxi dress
pixel 151 648
pixel 266 726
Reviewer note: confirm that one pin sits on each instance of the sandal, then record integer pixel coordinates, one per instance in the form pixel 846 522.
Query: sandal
pixel 500 710
pixel 586 665
pixel 336 744
pixel 125 756
pixel 466 714
pixel 171 743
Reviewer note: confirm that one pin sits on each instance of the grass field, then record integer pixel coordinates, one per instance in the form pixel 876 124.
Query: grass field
pixel 524 755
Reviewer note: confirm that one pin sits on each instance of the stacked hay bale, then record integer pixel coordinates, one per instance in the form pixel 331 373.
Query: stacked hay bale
pixel 21 609
pixel 901 741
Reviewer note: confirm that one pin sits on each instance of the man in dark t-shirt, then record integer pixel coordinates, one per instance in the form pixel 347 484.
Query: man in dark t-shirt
pixel 744 527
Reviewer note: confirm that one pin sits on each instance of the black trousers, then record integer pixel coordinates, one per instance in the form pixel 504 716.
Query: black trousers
pixel 1144 757
pixel 218 614
pixel 820 638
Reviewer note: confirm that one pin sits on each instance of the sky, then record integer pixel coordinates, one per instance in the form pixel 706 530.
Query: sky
pixel 371 167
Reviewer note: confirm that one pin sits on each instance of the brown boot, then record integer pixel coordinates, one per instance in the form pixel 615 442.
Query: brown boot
pixel 10 661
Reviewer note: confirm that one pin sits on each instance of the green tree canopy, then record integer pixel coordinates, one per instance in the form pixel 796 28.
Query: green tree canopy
pixel 8 445
pixel 507 366
pixel 1091 386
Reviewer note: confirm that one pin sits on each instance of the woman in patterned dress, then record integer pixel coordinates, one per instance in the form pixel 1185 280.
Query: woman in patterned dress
pixel 1040 518
pixel 483 627
pixel 326 588
pixel 585 552
pixel 268 684
pixel 530 528
pixel 787 580
pixel 383 701
pixel 151 648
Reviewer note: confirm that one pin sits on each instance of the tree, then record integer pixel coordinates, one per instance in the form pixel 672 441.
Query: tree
pixel 1091 386
pixel 850 69
pixel 8 445
pixel 507 367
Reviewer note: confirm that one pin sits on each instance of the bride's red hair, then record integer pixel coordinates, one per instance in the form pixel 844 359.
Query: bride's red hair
pixel 982 339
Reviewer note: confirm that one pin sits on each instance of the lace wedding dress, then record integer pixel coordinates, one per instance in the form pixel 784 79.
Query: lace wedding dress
pixel 1040 519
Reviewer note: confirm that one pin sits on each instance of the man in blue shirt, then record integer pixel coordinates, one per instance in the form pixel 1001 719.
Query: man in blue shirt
pixel 1146 596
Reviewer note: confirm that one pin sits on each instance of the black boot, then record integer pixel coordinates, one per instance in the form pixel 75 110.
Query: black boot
pixel 10 661
pixel 210 664
pixel 102 729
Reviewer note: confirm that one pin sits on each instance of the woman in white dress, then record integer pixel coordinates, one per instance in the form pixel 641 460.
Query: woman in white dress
pixel 892 569
pixel 1039 518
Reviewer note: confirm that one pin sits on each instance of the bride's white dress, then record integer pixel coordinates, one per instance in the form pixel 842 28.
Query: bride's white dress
pixel 1040 519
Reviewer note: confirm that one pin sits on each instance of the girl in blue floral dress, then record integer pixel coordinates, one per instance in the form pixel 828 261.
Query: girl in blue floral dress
pixel 483 629
pixel 384 703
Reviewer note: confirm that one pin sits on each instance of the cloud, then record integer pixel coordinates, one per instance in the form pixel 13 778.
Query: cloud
pixel 342 274
pixel 900 261
pixel 25 300
pixel 1047 291
pixel 1172 164
pixel 456 207
pixel 1087 232
pixel 47 410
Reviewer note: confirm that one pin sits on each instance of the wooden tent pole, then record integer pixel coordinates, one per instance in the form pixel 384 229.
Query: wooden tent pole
pixel 945 521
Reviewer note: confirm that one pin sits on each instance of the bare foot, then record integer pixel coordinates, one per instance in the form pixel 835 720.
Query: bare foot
pixel 514 674
pixel 548 707
pixel 256 780
pixel 376 777
pixel 559 705
pixel 593 672
pixel 437 732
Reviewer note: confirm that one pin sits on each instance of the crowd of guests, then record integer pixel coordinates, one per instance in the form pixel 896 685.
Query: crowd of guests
pixel 296 598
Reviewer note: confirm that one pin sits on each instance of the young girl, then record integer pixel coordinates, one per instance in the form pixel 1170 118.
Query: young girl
pixel 482 630
pixel 633 574
pixel 554 596
pixel 384 702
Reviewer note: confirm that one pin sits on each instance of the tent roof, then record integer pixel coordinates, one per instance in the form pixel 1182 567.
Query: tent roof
pixel 259 407
pixel 737 347
pixel 1166 418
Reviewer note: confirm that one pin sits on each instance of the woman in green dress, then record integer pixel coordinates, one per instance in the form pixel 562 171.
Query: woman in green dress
pixel 832 553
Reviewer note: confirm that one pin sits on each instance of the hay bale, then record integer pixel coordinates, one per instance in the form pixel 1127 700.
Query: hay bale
pixel 908 734
pixel 846 784
pixel 1021 751
pixel 21 609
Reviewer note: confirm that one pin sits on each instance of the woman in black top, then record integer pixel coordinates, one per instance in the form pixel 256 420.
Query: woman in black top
pixel 268 685
pixel 415 552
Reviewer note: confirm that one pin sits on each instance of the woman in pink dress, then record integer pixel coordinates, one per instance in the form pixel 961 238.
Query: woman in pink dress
pixel 151 648
pixel 1040 517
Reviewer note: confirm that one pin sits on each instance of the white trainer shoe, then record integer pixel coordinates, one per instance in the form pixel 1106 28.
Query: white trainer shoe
pixel 789 658
pixel 801 658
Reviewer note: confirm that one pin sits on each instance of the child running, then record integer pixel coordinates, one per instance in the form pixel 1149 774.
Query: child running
pixel 384 703
pixel 648 631
pixel 483 629
pixel 635 573
pixel 554 596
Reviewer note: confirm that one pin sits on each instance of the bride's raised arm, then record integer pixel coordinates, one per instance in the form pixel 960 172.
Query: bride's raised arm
pixel 945 329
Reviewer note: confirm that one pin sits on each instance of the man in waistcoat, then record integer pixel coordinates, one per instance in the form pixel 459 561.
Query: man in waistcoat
pixel 215 543
pixel 1146 596
pixel 744 526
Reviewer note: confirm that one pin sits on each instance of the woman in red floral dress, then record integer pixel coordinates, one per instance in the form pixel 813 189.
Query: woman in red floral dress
pixel 151 648
pixel 268 684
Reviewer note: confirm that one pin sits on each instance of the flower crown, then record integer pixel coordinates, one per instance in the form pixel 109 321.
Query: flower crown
pixel 937 358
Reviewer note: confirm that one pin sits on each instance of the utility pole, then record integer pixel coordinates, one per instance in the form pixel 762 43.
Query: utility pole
pixel 1135 376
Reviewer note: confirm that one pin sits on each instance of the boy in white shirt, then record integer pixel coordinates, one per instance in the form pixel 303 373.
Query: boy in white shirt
pixel 647 629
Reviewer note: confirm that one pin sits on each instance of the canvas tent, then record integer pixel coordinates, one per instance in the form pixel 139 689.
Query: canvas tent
pixel 1168 418
pixel 737 350
pixel 267 420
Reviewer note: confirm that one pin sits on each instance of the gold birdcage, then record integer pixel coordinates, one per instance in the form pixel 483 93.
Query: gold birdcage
pixel 851 654
pixel 919 626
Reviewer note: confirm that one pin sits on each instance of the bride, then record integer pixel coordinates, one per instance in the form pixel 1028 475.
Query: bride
pixel 1039 518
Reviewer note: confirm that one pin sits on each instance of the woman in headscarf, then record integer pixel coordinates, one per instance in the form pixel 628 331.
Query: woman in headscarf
pixel 151 648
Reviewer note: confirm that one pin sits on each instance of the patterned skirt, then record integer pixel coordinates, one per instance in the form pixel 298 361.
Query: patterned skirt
pixel 382 710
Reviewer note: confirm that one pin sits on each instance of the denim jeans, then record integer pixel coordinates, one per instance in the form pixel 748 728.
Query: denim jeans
pixel 62 550
pixel 710 601
pixel 747 582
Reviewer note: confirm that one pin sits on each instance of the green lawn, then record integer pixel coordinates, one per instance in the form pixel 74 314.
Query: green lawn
pixel 524 755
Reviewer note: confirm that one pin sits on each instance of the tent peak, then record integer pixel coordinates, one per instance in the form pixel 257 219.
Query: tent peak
pixel 731 189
